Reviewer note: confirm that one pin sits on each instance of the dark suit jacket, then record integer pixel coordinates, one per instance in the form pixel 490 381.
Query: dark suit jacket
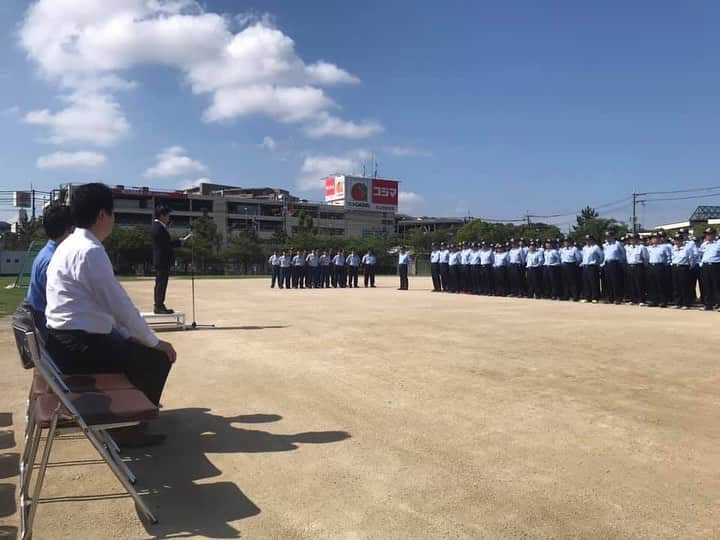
pixel 163 256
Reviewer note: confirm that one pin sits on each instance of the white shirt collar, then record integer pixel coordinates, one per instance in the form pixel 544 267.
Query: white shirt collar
pixel 161 223
pixel 86 233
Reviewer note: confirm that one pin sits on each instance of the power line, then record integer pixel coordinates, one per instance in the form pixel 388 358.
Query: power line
pixel 691 190
pixel 689 197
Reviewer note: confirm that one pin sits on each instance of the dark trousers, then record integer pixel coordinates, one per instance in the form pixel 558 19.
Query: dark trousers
pixel 333 275
pixel 552 281
pixel 352 276
pixel 570 287
pixel 500 280
pixel 325 276
pixel 340 276
pixel 534 282
pixel 467 278
pixel 635 283
pixel 657 279
pixel 681 285
pixel 314 276
pixel 161 282
pixel 516 273
pixel 486 279
pixel 275 276
pixel 445 276
pixel 711 284
pixel 475 278
pixel 78 352
pixel 403 271
pixel 435 273
pixel 285 277
pixel 613 281
pixel 591 282
pixel 369 275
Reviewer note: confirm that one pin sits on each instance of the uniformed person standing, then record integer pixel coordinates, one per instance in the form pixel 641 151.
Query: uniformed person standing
pixel 534 262
pixel 475 268
pixel 274 261
pixel 710 260
pixel 570 258
pixel 333 273
pixel 500 264
pixel 613 266
pixel 435 267
pixel 465 259
pixel 592 258
pixel 353 266
pixel 636 256
pixel 369 262
pixel 286 268
pixel 680 263
pixel 313 266
pixel 403 267
pixel 325 260
pixel 659 258
pixel 444 267
pixel 298 270
pixel 552 273
pixel 516 268
pixel 487 258
pixel 339 262
pixel 454 263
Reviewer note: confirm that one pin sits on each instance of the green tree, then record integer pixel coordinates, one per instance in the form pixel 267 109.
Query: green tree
pixel 204 244
pixel 243 248
pixel 590 222
pixel 128 248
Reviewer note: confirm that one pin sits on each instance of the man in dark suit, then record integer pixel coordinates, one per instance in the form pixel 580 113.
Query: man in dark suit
pixel 163 256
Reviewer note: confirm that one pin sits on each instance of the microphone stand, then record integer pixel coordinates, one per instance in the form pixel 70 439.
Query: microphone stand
pixel 194 325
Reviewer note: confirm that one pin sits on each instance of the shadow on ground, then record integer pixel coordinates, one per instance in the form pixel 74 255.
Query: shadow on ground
pixel 170 473
pixel 209 327
pixel 9 468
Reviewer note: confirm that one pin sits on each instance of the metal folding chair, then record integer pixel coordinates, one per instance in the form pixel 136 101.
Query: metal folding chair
pixel 93 412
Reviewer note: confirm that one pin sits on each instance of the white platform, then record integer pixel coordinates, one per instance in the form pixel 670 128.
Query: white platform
pixel 162 320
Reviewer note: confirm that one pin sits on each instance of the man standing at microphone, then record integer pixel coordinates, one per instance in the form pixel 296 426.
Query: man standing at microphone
pixel 163 256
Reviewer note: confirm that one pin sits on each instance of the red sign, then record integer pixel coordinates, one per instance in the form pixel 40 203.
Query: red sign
pixel 359 191
pixel 329 187
pixel 385 192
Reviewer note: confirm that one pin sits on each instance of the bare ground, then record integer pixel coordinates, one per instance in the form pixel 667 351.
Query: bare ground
pixel 387 414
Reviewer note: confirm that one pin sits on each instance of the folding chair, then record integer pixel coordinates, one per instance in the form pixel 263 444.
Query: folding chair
pixel 93 412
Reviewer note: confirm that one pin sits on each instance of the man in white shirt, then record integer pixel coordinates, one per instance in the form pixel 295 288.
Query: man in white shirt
pixel 93 326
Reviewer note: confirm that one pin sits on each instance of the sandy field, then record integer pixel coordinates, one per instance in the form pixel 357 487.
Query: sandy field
pixel 351 414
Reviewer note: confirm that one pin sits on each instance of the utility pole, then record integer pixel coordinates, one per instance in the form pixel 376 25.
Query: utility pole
pixel 634 212
pixel 527 216
pixel 32 196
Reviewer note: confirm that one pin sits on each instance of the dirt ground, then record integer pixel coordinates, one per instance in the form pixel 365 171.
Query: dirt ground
pixel 351 414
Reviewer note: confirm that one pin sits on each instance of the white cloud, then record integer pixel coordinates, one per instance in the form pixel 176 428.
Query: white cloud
pixel 187 184
pixel 173 162
pixel 88 118
pixel 327 125
pixel 74 160
pixel 407 151
pixel 87 45
pixel 268 143
pixel 317 167
pixel 410 202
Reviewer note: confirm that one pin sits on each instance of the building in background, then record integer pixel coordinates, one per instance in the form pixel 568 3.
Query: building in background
pixel 265 211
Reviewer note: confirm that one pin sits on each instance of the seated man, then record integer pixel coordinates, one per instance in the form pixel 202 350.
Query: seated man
pixel 58 226
pixel 93 326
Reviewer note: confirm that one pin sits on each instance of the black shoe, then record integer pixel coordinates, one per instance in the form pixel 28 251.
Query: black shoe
pixel 162 310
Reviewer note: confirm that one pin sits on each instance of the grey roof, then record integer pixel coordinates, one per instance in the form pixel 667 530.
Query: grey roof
pixel 703 213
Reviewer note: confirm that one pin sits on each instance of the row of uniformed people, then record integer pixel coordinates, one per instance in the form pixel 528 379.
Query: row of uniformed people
pixel 321 269
pixel 620 270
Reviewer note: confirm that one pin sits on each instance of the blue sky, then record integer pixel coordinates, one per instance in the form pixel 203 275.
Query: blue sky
pixel 486 108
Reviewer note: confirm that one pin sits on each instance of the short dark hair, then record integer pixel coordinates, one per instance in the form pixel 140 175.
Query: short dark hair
pixel 161 210
pixel 57 220
pixel 87 201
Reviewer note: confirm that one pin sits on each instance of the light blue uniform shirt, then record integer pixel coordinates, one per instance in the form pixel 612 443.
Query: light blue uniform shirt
pixel 710 252
pixel 659 254
pixel 613 252
pixel 274 260
pixel 637 254
pixel 285 261
pixel 325 260
pixel 552 257
pixel 369 259
pixel 444 256
pixel 454 259
pixel 298 260
pixel 475 257
pixel 435 256
pixel 465 256
pixel 500 259
pixel 592 256
pixel 313 260
pixel 38 277
pixel 339 260
pixel 570 255
pixel 681 256
pixel 534 259
pixel 353 260
pixel 404 258
pixel 516 256
pixel 487 256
